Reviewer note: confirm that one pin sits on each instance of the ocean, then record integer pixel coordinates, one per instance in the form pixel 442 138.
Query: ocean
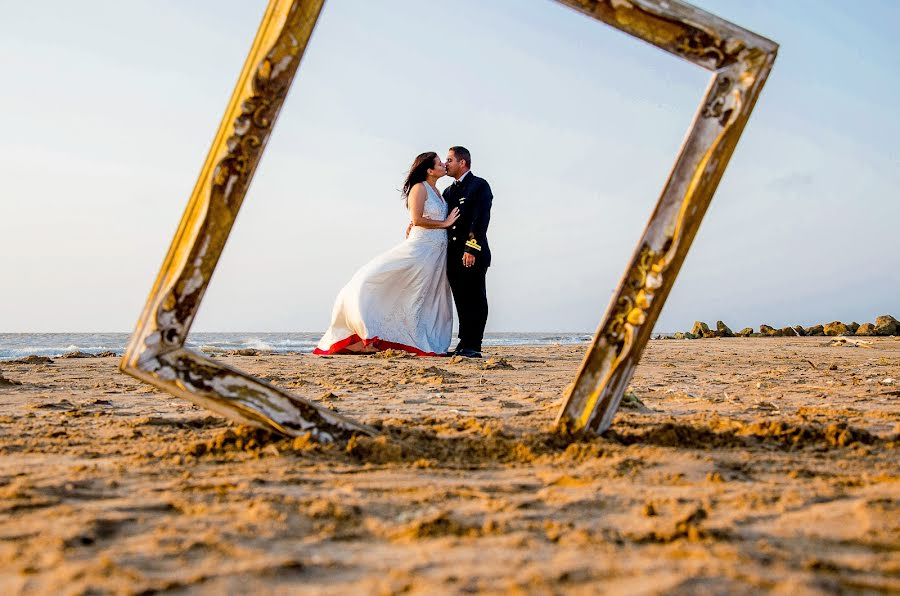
pixel 18 345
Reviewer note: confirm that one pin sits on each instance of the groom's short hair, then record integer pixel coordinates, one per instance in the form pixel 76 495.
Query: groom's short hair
pixel 462 153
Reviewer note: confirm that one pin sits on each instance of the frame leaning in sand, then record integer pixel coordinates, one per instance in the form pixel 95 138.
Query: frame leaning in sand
pixel 740 62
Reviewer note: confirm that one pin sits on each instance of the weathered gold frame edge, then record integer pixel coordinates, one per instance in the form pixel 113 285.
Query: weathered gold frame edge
pixel 156 352
pixel 740 61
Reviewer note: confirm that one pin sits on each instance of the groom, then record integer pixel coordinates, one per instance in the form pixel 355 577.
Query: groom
pixel 468 253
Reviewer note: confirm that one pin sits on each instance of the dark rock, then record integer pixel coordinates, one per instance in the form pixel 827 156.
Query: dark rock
pixel 788 332
pixel 815 330
pixel 722 330
pixel 680 335
pixel 836 328
pixel 779 333
pixel 801 332
pixel 745 332
pixel 690 335
pixel 886 325
pixel 244 352
pixel 630 401
pixel 885 319
pixel 496 362
pixel 4 382
pixel 866 329
pixel 710 334
pixel 699 328
pixel 766 331
pixel 107 354
pixel 34 359
pixel 77 354
pixel 853 327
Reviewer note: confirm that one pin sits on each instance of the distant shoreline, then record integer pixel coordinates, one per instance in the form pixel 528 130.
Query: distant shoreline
pixel 54 345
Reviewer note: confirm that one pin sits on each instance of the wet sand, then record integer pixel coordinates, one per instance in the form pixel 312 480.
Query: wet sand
pixel 745 465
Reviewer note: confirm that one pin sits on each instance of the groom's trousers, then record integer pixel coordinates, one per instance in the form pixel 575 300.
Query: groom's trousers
pixel 470 296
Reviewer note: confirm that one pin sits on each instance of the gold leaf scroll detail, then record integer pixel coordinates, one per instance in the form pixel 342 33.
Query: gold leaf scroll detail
pixel 647 274
pixel 628 312
pixel 674 31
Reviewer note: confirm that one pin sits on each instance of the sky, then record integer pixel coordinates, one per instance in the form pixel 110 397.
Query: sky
pixel 110 108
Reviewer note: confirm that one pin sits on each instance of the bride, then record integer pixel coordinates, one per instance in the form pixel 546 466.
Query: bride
pixel 401 299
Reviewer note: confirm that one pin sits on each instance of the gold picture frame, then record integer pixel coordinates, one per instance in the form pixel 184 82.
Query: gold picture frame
pixel 740 62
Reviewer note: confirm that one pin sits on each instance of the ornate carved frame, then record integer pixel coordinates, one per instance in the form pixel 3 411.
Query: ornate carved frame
pixel 740 62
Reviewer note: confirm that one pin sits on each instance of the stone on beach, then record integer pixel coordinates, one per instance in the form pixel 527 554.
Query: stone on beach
pixel 722 330
pixel 391 354
pixel 77 354
pixel 34 359
pixel 886 325
pixel 866 329
pixel 836 328
pixel 767 330
pixel 4 382
pixel 815 330
pixel 245 352
pixel 496 362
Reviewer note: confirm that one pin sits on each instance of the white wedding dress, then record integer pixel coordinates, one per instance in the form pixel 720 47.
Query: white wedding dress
pixel 400 300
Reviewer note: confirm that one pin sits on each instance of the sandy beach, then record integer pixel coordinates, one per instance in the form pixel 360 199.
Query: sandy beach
pixel 743 465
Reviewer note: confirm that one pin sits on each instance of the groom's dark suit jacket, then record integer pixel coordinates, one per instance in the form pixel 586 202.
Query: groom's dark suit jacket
pixel 469 233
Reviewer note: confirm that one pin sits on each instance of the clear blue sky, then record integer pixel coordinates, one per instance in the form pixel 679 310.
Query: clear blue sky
pixel 109 109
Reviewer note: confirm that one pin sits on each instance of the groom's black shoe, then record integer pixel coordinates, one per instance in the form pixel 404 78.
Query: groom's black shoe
pixel 467 353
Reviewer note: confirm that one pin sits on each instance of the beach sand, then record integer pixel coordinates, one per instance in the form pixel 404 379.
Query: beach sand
pixel 751 465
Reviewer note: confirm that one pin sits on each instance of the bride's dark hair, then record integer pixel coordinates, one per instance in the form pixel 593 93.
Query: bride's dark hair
pixel 418 172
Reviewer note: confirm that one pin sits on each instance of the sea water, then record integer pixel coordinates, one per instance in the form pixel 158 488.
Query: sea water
pixel 18 345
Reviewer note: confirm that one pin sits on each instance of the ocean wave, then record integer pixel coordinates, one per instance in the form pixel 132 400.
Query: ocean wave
pixel 16 353
pixel 276 346
pixel 19 345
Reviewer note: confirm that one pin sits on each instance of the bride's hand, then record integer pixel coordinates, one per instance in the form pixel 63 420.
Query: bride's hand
pixel 454 215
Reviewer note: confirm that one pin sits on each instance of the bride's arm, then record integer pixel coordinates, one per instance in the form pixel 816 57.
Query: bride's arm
pixel 417 197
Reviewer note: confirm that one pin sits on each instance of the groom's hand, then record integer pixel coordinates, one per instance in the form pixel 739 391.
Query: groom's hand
pixel 468 260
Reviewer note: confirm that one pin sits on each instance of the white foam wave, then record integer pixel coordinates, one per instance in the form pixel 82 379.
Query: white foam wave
pixel 16 353
pixel 14 346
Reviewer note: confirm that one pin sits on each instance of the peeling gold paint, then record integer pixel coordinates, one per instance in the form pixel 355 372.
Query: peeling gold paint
pixel 156 353
pixel 741 62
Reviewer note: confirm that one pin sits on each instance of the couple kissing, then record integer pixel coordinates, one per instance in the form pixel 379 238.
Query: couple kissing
pixel 403 298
